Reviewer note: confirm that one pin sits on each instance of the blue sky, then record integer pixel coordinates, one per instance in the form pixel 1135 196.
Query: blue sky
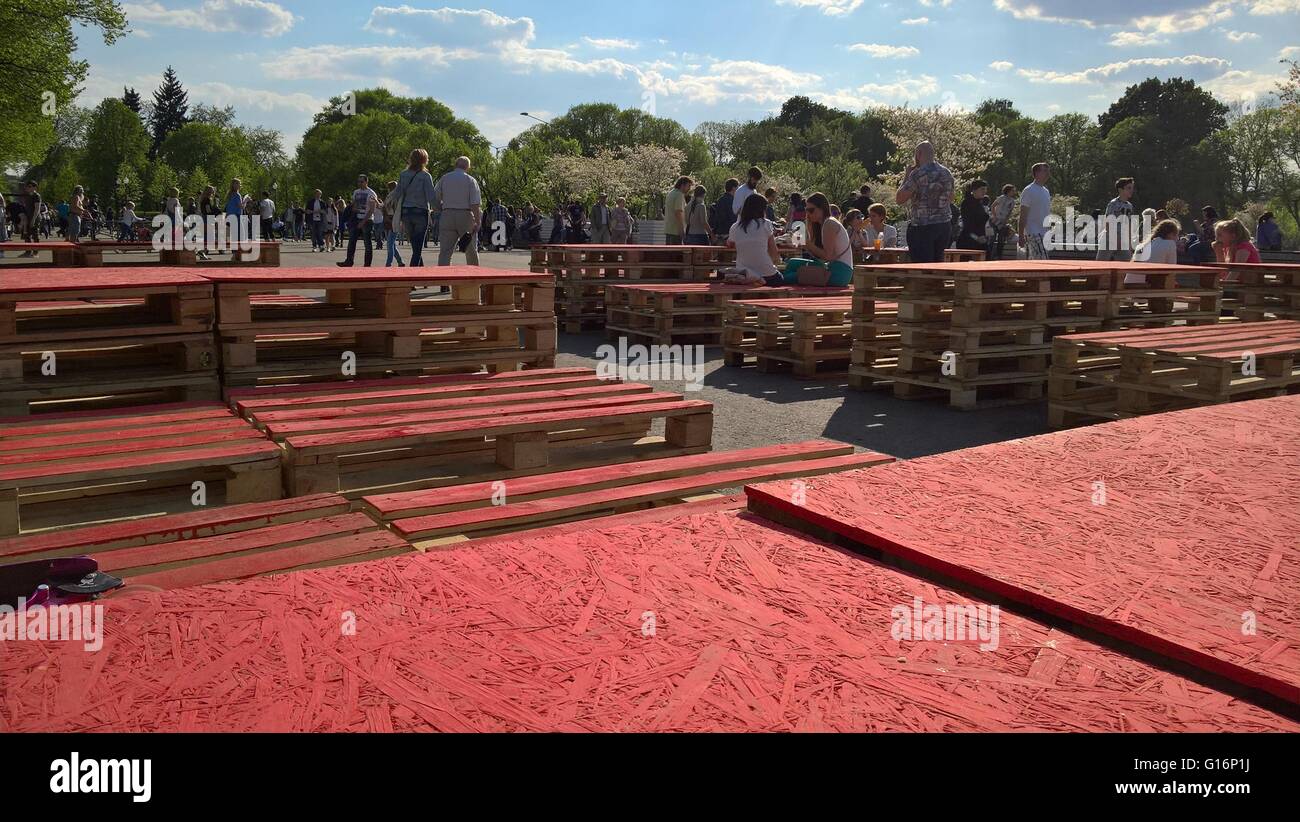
pixel 277 61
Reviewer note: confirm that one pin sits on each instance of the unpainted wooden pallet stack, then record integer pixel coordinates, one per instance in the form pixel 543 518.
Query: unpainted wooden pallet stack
pixel 1120 374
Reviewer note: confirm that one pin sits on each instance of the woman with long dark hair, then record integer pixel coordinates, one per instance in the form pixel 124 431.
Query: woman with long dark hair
pixel 828 250
pixel 754 239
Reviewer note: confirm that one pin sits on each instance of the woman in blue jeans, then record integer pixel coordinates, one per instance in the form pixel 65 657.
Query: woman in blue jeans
pixel 827 246
pixel 415 193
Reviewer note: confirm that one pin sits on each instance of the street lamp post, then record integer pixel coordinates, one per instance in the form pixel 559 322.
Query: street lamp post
pixel 534 117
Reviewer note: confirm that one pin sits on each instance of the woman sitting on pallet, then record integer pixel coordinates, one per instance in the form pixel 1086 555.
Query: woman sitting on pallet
pixel 829 250
pixel 753 237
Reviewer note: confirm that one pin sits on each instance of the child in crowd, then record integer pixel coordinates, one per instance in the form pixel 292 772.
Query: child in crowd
pixel 1161 247
pixel 1232 243
pixel 876 227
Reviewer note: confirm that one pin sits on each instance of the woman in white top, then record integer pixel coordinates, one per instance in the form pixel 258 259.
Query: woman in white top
pixel 1161 247
pixel 755 242
pixel 827 246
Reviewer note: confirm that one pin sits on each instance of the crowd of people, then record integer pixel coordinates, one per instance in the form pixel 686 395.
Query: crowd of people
pixel 450 213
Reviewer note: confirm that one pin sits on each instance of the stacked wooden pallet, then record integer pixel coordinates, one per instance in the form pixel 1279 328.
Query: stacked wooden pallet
pixel 686 313
pixel 1115 375
pixel 69 340
pixel 811 336
pixel 221 544
pixel 455 513
pixel 974 332
pixel 876 338
pixel 581 273
pixel 419 433
pixel 1262 291
pixel 372 323
pixel 1160 300
pixel 58 469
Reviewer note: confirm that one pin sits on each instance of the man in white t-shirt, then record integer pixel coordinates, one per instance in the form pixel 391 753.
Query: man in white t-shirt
pixel 364 203
pixel 266 214
pixel 750 187
pixel 1035 207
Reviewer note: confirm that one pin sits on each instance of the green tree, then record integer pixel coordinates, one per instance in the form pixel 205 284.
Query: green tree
pixel 118 137
pixel 1072 144
pixel 222 153
pixel 1187 113
pixel 38 74
pixel 168 114
pixel 131 98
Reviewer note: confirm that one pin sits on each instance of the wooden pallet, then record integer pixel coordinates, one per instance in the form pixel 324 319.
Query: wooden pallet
pixel 977 332
pixel 64 375
pixel 686 312
pixel 249 402
pixel 1115 375
pixel 425 436
pixel 222 544
pixel 70 304
pixel 1259 291
pixel 430 518
pixel 372 323
pixel 47 461
pixel 810 335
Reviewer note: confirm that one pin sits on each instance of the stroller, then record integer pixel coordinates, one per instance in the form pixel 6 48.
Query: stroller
pixel 58 581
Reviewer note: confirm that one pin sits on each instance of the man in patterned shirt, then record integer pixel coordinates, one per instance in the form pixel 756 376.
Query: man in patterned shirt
pixel 928 189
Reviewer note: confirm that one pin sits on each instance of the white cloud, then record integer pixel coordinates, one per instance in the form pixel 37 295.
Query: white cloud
pixel 1112 71
pixel 1001 65
pixel 1240 36
pixel 1289 53
pixel 831 8
pixel 882 51
pixel 932 3
pixel 245 99
pixel 734 80
pixel 610 43
pixel 1268 7
pixel 1123 39
pixel 1243 85
pixel 244 16
pixel 969 78
pixel 916 21
pixel 479 34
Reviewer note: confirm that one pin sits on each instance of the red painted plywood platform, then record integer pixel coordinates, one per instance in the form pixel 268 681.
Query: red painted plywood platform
pixel 1196 539
pixel 707 620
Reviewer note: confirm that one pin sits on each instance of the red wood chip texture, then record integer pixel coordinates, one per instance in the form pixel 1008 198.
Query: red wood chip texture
pixel 706 620
pixel 1177 532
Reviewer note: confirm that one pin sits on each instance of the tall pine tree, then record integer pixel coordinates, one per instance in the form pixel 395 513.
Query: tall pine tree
pixel 170 106
pixel 132 99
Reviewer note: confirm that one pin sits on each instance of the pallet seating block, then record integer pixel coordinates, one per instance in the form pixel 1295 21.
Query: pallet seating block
pixel 120 456
pixel 518 438
pixel 39 376
pixel 251 401
pixel 473 510
pixel 64 252
pixel 667 314
pixel 219 545
pixel 1121 374
pixel 1259 291
pixel 811 336
pixel 70 304
pixel 372 322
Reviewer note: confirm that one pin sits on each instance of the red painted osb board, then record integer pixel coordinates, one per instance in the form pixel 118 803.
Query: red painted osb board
pixel 362 274
pixel 755 629
pixel 1199 533
pixel 28 281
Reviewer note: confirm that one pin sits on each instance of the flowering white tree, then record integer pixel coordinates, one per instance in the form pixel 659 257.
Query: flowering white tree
pixel 960 142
